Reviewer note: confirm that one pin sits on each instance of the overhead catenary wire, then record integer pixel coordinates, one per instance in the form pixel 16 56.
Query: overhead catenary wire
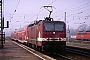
pixel 76 9
pixel 80 12
pixel 69 7
pixel 35 11
pixel 36 14
pixel 73 16
pixel 25 14
pixel 81 8
pixel 85 16
pixel 41 10
pixel 14 10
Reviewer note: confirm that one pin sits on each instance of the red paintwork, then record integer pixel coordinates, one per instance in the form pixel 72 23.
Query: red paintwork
pixel 21 34
pixel 13 35
pixel 32 32
pixel 83 35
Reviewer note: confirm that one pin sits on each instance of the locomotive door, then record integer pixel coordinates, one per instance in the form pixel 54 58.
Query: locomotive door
pixel 37 33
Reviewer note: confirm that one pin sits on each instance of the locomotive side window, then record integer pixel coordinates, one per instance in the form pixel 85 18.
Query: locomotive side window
pixel 59 27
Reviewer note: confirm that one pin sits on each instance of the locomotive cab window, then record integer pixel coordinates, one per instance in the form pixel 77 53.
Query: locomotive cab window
pixel 59 27
pixel 53 27
pixel 49 26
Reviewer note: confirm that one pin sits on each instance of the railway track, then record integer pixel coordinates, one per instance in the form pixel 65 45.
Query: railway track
pixel 57 56
pixel 62 57
pixel 79 51
pixel 71 54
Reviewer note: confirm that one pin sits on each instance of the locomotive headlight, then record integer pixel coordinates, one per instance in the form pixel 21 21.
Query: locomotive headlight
pixel 27 37
pixel 63 39
pixel 53 32
pixel 44 39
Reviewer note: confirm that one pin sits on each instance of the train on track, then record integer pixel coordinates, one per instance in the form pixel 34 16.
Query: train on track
pixel 43 35
pixel 83 36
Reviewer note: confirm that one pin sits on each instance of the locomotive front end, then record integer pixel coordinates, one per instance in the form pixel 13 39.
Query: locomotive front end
pixel 54 35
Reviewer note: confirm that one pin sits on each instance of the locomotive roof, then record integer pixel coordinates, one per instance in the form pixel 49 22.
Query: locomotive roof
pixel 36 22
pixel 30 25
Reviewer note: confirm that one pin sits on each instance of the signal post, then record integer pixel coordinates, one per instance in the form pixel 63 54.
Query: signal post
pixel 2 34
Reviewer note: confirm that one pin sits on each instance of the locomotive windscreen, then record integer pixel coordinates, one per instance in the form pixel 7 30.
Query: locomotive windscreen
pixel 53 26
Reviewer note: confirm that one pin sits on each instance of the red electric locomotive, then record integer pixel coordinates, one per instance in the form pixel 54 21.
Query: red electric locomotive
pixel 47 34
pixel 83 36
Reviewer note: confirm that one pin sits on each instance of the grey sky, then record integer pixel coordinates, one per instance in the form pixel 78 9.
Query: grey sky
pixel 27 11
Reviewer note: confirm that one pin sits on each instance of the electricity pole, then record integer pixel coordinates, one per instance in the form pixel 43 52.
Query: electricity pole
pixel 68 33
pixel 2 34
pixel 65 17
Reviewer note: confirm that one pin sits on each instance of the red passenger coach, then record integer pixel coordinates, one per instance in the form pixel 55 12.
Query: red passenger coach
pixel 20 35
pixel 47 34
pixel 23 35
pixel 14 35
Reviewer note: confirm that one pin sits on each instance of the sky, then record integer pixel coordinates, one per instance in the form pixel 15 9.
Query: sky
pixel 23 12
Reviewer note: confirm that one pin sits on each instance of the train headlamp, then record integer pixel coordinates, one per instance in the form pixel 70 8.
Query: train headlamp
pixel 63 39
pixel 53 32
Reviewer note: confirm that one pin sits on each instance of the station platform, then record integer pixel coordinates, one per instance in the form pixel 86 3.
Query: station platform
pixel 12 51
pixel 78 45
